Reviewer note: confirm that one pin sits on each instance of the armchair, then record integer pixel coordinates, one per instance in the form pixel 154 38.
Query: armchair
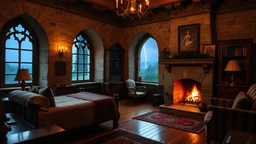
pixel 135 91
pixel 221 117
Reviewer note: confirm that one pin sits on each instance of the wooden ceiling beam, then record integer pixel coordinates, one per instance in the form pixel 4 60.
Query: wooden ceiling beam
pixel 198 1
pixel 173 5
pixel 108 4
pixel 158 3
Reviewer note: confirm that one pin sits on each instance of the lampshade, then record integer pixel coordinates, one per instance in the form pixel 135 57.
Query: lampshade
pixel 22 74
pixel 233 66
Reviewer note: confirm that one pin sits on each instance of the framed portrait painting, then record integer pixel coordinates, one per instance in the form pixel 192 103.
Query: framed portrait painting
pixel 60 68
pixel 209 49
pixel 189 38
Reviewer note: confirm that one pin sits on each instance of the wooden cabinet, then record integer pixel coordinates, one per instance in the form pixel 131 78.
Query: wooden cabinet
pixel 113 71
pixel 230 92
pixel 238 51
pixel 114 62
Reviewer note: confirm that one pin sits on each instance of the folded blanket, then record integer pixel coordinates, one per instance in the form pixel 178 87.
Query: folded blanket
pixel 25 98
pixel 105 106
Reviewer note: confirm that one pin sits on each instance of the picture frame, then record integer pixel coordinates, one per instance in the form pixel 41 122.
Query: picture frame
pixel 60 68
pixel 189 38
pixel 209 49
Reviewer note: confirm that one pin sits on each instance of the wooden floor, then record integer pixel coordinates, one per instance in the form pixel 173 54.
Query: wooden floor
pixel 156 132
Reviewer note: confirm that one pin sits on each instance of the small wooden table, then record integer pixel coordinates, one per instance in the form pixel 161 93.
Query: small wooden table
pixel 238 137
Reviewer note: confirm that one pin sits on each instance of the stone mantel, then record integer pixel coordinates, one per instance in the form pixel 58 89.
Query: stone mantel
pixel 205 63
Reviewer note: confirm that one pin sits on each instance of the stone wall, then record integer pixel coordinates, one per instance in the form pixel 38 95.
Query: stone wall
pixel 131 37
pixel 166 36
pixel 236 25
pixel 229 25
pixel 61 28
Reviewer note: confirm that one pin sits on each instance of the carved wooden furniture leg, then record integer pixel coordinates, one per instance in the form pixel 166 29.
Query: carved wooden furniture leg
pixel 115 121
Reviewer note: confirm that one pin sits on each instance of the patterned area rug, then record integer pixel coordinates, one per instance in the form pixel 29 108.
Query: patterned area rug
pixel 173 121
pixel 121 137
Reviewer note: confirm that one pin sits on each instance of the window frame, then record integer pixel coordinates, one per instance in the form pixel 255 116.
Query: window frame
pixel 91 64
pixel 35 51
pixel 137 57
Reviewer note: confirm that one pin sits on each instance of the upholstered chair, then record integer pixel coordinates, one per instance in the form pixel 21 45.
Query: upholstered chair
pixel 227 114
pixel 135 91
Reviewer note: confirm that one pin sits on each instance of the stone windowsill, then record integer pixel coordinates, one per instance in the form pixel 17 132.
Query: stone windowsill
pixel 147 83
pixel 84 83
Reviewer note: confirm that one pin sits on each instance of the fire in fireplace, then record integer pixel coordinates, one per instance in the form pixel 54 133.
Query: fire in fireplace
pixel 194 97
pixel 186 91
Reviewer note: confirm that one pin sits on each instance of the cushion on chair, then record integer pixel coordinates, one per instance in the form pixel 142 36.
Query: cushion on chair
pixel 48 93
pixel 140 93
pixel 130 83
pixel 252 96
pixel 241 101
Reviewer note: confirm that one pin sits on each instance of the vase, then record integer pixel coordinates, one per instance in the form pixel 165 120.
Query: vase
pixel 140 79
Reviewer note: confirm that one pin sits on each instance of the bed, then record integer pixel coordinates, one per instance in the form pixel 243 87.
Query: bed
pixel 70 111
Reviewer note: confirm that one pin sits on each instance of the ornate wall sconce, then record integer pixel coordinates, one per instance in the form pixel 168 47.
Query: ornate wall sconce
pixel 62 50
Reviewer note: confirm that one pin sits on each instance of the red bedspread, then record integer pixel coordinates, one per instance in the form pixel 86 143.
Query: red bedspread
pixel 105 107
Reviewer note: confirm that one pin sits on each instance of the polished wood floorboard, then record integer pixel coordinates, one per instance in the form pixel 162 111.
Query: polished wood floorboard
pixel 156 132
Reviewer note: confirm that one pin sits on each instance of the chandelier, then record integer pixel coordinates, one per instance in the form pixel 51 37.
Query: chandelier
pixel 130 8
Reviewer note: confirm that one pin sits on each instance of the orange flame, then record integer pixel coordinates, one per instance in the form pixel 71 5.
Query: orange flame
pixel 194 92
pixel 194 96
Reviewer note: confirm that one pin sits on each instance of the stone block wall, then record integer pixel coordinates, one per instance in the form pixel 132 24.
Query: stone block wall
pixel 61 28
pixel 236 25
pixel 130 39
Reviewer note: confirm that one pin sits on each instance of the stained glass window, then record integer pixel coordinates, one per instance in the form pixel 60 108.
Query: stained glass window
pixel 18 52
pixel 81 59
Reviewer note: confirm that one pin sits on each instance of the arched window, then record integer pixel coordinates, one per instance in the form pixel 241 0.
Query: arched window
pixel 19 52
pixel 81 59
pixel 148 61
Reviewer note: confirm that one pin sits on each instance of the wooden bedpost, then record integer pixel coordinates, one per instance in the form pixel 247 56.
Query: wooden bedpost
pixel 115 121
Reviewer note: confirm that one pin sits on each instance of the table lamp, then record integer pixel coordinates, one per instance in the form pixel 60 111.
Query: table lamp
pixel 233 66
pixel 22 75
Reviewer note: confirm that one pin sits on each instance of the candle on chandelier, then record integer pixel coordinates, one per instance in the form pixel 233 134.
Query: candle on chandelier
pixel 140 7
pixel 121 1
pixel 147 2
pixel 116 3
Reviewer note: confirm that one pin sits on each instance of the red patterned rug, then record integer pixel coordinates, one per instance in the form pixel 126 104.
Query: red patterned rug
pixel 173 121
pixel 121 137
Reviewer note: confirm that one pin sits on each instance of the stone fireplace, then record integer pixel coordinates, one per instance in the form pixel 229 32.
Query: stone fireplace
pixel 181 76
pixel 187 83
